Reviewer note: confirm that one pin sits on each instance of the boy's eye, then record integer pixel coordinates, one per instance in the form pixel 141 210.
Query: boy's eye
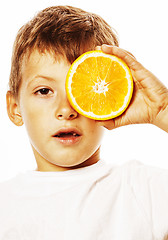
pixel 43 91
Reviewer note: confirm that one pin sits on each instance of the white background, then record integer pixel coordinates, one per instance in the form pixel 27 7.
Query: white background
pixel 143 30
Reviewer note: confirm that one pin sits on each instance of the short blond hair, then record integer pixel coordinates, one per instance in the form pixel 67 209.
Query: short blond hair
pixel 63 30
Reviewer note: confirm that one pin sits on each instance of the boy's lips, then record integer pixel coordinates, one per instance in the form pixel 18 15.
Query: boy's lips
pixel 68 136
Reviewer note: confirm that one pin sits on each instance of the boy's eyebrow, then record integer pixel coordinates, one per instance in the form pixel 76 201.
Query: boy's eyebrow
pixel 41 76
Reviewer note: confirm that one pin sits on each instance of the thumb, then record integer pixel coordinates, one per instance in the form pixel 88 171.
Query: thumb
pixel 109 124
pixel 126 56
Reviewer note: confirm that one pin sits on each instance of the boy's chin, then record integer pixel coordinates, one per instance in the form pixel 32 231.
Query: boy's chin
pixel 64 162
pixel 86 163
pixel 75 165
pixel 72 164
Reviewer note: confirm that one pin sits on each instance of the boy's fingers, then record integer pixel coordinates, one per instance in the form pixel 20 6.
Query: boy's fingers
pixel 127 57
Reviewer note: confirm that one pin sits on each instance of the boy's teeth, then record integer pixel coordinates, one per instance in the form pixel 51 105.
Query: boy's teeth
pixel 67 134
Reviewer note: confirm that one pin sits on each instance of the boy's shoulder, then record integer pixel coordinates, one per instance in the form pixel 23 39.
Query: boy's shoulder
pixel 138 170
pixel 139 176
pixel 10 185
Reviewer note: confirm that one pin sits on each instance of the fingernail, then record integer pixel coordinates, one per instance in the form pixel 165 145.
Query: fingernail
pixel 98 47
pixel 106 45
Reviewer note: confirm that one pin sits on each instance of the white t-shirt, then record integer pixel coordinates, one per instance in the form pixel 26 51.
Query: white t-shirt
pixel 99 202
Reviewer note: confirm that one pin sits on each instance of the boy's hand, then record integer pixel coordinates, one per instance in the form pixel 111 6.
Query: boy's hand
pixel 149 102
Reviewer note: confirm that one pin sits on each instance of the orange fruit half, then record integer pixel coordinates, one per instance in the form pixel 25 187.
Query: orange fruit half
pixel 99 85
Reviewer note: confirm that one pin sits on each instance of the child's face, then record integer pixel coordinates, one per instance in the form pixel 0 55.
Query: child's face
pixel 60 137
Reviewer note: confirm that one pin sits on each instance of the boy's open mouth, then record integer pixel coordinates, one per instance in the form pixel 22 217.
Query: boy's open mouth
pixel 67 136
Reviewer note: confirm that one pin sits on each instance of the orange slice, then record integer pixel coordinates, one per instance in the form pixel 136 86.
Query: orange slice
pixel 99 86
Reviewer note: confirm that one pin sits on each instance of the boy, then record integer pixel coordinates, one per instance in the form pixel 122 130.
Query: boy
pixel 73 194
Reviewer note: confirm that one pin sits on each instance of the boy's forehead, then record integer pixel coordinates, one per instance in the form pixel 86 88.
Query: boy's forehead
pixel 44 65
pixel 36 60
pixel 36 57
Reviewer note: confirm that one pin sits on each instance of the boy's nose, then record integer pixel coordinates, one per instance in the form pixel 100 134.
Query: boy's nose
pixel 66 112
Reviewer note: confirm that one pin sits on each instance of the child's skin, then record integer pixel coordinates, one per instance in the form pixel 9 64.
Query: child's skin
pixel 43 107
pixel 46 114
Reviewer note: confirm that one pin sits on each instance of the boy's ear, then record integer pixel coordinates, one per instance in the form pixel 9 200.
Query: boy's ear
pixel 13 109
